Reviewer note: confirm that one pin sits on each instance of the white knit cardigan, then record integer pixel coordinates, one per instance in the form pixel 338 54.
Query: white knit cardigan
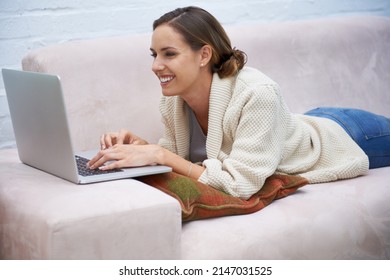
pixel 252 134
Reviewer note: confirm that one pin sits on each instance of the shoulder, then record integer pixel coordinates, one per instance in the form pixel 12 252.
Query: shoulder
pixel 248 81
pixel 253 78
pixel 252 84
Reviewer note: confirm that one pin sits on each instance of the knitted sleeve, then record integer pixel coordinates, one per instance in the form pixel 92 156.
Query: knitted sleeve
pixel 168 140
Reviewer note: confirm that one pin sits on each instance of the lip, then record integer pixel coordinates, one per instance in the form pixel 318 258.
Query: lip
pixel 165 79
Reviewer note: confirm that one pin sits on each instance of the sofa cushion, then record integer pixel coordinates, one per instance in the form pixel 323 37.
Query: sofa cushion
pixel 200 201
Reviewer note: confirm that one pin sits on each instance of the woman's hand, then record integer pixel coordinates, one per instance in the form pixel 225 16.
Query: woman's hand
pixel 124 149
pixel 108 140
pixel 125 155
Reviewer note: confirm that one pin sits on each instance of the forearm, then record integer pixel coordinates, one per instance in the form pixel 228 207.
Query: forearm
pixel 178 164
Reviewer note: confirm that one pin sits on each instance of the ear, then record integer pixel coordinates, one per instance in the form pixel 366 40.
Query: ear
pixel 206 53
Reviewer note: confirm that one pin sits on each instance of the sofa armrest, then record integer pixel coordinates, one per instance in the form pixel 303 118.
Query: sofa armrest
pixel 45 217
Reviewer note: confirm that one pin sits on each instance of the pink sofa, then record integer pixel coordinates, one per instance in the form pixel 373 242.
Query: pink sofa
pixel 109 85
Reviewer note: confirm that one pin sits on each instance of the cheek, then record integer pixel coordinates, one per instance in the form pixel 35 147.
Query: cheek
pixel 188 72
pixel 185 80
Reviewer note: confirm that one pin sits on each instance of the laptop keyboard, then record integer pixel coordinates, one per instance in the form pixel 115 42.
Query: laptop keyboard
pixel 83 170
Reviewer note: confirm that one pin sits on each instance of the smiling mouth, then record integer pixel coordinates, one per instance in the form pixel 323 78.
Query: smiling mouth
pixel 166 79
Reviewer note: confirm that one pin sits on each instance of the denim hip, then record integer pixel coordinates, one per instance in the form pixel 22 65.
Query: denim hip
pixel 370 131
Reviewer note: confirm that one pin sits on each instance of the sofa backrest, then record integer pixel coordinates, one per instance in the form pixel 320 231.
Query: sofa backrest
pixel 108 82
pixel 341 62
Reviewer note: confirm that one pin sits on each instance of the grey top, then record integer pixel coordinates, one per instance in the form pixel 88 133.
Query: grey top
pixel 197 139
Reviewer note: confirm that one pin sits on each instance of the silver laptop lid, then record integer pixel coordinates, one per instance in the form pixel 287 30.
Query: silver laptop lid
pixel 40 123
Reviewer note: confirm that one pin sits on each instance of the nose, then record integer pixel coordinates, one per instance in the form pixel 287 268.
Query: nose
pixel 157 65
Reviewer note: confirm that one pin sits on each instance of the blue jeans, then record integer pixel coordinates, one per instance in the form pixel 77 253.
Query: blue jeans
pixel 370 131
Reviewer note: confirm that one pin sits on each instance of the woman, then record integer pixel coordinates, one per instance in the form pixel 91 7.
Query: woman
pixel 228 126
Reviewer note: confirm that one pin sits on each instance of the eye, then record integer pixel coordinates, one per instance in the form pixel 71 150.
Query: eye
pixel 170 54
pixel 153 55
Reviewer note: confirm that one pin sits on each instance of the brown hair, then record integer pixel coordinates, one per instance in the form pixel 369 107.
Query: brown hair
pixel 199 28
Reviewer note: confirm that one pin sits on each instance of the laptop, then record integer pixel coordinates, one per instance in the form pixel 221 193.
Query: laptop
pixel 42 132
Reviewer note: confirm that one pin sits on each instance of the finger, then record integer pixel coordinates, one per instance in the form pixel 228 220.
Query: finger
pixel 122 136
pixel 98 160
pixel 113 165
pixel 93 160
pixel 109 140
pixel 102 142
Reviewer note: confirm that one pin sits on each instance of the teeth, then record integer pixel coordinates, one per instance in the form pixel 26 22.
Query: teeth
pixel 165 79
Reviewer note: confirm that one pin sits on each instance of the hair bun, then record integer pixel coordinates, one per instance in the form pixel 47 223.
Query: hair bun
pixel 231 63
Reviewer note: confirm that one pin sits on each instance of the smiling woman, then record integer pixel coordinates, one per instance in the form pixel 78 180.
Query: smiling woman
pixel 228 126
pixel 178 67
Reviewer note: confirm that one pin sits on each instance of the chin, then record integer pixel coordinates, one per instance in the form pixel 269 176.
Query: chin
pixel 168 93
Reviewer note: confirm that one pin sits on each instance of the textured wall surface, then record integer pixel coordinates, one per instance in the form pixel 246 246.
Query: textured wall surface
pixel 26 24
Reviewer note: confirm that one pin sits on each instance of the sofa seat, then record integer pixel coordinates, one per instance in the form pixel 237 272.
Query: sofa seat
pixel 349 219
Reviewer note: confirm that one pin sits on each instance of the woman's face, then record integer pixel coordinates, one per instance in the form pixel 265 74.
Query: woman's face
pixel 176 65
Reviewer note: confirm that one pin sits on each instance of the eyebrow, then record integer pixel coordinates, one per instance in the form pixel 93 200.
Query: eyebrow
pixel 163 49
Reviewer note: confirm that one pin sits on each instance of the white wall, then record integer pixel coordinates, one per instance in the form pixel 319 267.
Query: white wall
pixel 30 24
